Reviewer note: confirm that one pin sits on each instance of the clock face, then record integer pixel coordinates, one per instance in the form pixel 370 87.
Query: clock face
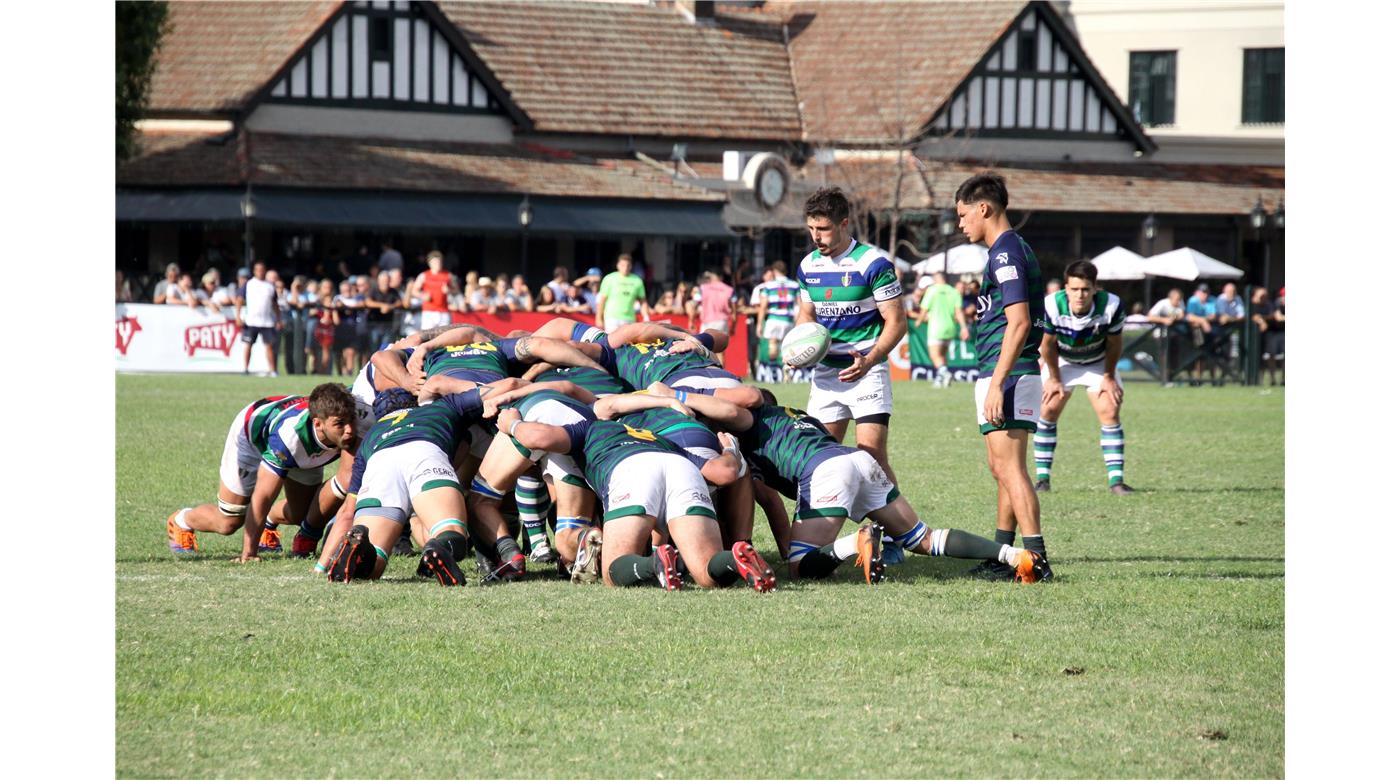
pixel 771 187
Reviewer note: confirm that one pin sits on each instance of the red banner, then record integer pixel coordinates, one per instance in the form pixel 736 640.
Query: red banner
pixel 736 357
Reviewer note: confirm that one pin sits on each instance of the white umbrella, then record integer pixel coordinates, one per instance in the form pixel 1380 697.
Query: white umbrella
pixel 1119 264
pixel 961 259
pixel 1187 263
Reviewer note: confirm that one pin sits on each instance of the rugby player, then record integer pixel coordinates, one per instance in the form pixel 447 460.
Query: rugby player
pixel 852 289
pixel 794 454
pixel 645 484
pixel 1086 332
pixel 776 297
pixel 274 442
pixel 1010 320
pixel 405 466
pixel 680 363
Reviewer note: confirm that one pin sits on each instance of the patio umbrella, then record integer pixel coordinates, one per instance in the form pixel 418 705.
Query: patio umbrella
pixel 1186 263
pixel 961 259
pixel 1119 264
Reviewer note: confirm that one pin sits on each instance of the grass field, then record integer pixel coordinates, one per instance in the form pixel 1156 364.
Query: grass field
pixel 1158 650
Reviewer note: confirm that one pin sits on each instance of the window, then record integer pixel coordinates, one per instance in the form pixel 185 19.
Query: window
pixel 1025 49
pixel 1263 87
pixel 1152 87
pixel 381 42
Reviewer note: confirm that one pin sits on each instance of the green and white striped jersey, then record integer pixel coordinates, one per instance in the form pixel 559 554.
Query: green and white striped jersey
pixel 845 291
pixel 1083 338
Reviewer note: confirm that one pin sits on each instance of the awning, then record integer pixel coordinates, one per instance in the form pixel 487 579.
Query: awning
pixel 429 211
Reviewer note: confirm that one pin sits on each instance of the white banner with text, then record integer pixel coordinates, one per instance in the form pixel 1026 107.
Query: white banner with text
pixel 163 337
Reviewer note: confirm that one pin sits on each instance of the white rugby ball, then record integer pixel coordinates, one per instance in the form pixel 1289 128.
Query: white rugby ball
pixel 806 344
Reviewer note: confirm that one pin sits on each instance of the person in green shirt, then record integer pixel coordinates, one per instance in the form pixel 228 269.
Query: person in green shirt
pixel 941 309
pixel 618 296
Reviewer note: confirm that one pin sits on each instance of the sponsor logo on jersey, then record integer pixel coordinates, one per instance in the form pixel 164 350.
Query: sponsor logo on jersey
pixel 838 310
pixel 1002 258
pixel 1006 274
pixel 1025 412
pixel 984 303
pixel 828 293
pixel 870 397
pixel 891 290
pixel 831 499
pixel 810 280
pixel 127 327
pixel 846 279
pixel 218 337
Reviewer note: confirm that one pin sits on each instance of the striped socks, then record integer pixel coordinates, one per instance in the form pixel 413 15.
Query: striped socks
pixel 1044 446
pixel 529 501
pixel 1111 442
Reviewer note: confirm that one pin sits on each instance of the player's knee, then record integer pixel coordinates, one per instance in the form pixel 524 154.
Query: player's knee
pixel 481 493
pixel 231 516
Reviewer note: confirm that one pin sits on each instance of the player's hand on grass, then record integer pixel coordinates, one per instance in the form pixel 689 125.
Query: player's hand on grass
pixel 991 408
pixel 246 558
pixel 857 369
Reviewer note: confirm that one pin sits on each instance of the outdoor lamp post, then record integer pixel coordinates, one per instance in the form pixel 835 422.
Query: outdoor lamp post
pixel 947 223
pixel 249 211
pixel 524 215
pixel 1259 220
pixel 1149 231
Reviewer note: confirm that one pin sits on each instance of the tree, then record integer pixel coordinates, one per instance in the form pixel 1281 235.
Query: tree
pixel 140 27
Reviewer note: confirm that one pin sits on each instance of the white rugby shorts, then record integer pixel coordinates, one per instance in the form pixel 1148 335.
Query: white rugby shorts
pixel 851 485
pixel 1020 406
pixel 1087 375
pixel 832 400
pixel 660 484
pixel 776 329
pixel 395 475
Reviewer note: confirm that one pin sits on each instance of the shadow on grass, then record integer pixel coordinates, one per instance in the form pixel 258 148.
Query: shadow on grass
pixel 1171 559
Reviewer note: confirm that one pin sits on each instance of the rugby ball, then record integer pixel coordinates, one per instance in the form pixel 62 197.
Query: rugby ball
pixel 806 344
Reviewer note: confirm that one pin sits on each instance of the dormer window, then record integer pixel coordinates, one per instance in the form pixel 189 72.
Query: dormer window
pixel 381 39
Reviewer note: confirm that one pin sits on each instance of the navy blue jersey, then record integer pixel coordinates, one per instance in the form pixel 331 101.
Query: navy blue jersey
pixel 1012 276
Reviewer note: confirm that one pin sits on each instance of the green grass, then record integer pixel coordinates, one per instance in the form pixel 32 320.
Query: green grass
pixel 1170 601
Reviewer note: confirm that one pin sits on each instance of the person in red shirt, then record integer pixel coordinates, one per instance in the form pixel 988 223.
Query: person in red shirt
pixel 432 287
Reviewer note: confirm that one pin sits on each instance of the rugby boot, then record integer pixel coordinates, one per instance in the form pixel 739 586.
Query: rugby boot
pixel 668 567
pixel 1031 567
pixel 588 562
pixel 270 541
pixel 891 554
pixel 995 571
pixel 1042 486
pixel 868 552
pixel 304 546
pixel 404 546
pixel 354 559
pixel 182 542
pixel 512 570
pixel 1121 489
pixel 437 562
pixel 543 553
pixel 755 571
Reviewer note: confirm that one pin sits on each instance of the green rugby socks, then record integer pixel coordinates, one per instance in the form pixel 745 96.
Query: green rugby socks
pixel 1046 435
pixel 1111 442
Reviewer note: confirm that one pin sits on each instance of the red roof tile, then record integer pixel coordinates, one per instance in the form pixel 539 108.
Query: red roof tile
pixel 215 56
pixel 870 72
pixel 624 69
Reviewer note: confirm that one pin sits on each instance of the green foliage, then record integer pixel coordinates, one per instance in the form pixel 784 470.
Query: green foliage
pixel 140 27
pixel 1158 652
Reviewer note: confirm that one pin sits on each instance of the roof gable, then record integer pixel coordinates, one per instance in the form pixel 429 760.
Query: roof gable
pixel 389 55
pixel 1036 80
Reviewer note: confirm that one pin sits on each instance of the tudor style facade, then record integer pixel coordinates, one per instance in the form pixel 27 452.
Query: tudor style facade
pixel 314 129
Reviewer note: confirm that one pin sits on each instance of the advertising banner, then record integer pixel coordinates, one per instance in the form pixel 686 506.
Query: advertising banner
pixel 162 337
pixel 911 361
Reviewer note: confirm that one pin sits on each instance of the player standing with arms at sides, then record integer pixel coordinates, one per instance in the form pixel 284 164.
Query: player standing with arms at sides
pixel 433 286
pixel 618 296
pixel 1010 326
pixel 941 308
pixel 261 319
pixel 852 290
pixel 776 299
pixel 1086 332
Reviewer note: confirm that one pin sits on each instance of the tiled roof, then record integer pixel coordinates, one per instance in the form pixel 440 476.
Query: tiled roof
pixel 1083 187
pixel 625 69
pixel 372 164
pixel 215 56
pixel 869 72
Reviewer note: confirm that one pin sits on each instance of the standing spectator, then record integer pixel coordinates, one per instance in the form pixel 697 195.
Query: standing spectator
pixel 182 293
pixel 326 317
pixel 172 278
pixel 588 287
pixel 261 320
pixel 483 298
pixel 559 285
pixel 123 288
pixel 432 287
pixel 665 304
pixel 618 297
pixel 716 303
pixel 295 333
pixel 1229 309
pixel 574 301
pixel 1171 310
pixel 351 308
pixel 213 295
pixel 382 303
pixel 941 308
pixel 389 258
pixel 518 297
pixel 1269 317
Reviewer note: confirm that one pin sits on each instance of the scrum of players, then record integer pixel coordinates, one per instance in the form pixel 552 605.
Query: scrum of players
pixel 648 457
